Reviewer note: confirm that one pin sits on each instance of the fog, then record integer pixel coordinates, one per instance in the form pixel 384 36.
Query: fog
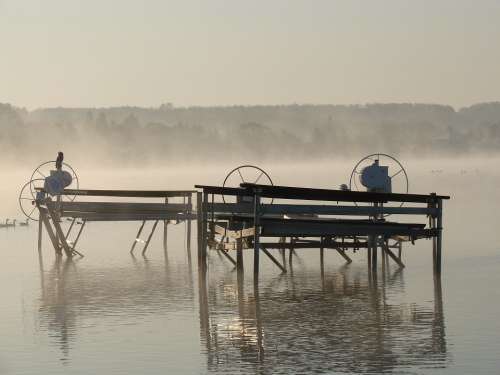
pixel 135 137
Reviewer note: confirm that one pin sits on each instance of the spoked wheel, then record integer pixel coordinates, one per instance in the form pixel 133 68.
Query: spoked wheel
pixel 246 174
pixel 43 171
pixel 26 199
pixel 397 174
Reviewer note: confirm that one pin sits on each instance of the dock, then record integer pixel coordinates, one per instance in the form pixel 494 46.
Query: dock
pixel 266 219
pixel 174 206
pixel 306 222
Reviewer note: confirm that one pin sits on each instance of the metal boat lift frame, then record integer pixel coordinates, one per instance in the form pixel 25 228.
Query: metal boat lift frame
pixel 242 225
pixel 52 212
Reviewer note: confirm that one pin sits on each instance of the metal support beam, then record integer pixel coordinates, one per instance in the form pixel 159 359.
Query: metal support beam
pixel 239 253
pixel 149 237
pixel 58 230
pixel 40 229
pixel 48 227
pixel 69 229
pixel 199 205
pixel 439 240
pixel 78 235
pixel 188 230
pixel 373 246
pixel 321 252
pixel 344 255
pixel 137 236
pixel 204 234
pixel 165 230
pixel 256 246
pixel 393 256
pixel 281 267
pixel 228 257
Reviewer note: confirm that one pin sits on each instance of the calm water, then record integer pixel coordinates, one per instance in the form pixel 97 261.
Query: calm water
pixel 113 313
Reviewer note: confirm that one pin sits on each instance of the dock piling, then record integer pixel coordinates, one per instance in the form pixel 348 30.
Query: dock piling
pixel 256 245
pixel 439 239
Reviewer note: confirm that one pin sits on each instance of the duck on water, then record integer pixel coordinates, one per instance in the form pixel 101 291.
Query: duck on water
pixel 8 224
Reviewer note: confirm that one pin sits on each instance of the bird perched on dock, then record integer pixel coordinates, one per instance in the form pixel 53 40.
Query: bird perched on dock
pixel 59 160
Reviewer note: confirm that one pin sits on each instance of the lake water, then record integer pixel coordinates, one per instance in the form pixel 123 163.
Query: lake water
pixel 113 313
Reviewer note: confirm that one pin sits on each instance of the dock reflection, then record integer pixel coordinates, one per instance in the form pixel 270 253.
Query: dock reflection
pixel 343 321
pixel 75 296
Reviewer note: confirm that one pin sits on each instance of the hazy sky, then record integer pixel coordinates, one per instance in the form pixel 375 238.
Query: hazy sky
pixel 214 52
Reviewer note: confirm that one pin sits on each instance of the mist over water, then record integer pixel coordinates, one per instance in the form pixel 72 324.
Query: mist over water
pixel 425 75
pixel 116 313
pixel 167 135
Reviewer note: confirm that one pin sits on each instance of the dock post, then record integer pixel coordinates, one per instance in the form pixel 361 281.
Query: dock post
pixel 188 234
pixel 373 246
pixel 439 239
pixel 382 254
pixel 432 224
pixel 201 216
pixel 165 230
pixel 204 234
pixel 256 242
pixel 373 242
pixel 321 252
pixel 40 228
pixel 56 218
pixel 434 243
pixel 239 253
pixel 292 249
pixel 198 222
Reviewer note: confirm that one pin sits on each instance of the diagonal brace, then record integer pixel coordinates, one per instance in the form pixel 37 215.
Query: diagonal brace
pixel 344 255
pixel 393 256
pixel 229 257
pixel 275 261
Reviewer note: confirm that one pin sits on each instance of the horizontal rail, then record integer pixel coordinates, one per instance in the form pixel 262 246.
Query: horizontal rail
pixel 292 192
pixel 317 229
pixel 127 193
pixel 302 245
pixel 297 209
pixel 91 216
pixel 219 190
pixel 123 207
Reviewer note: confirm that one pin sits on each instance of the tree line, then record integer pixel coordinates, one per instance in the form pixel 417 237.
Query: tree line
pixel 134 135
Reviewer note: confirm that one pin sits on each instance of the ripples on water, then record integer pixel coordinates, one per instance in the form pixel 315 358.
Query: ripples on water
pixel 310 320
pixel 337 321
pixel 112 313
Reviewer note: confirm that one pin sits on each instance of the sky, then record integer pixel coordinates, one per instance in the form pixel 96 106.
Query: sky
pixel 100 53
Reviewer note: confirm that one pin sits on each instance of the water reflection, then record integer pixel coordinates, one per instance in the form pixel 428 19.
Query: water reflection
pixel 75 296
pixel 336 320
pixel 345 320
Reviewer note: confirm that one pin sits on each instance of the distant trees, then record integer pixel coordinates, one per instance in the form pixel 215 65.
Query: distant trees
pixel 131 134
